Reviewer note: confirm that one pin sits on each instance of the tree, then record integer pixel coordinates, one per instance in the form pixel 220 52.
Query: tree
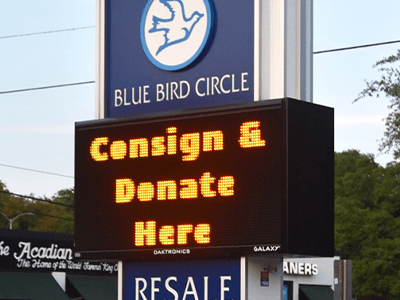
pixel 367 223
pixel 11 207
pixel 51 215
pixel 389 85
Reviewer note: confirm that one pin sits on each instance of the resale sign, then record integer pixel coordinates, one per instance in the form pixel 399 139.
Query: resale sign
pixel 200 280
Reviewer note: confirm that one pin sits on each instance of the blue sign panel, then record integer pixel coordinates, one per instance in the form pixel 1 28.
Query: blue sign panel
pixel 285 292
pixel 166 55
pixel 189 280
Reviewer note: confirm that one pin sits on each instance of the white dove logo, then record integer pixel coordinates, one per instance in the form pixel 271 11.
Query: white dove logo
pixel 175 32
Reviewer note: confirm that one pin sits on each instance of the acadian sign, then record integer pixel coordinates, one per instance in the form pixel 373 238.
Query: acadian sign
pixel 24 253
pixel 165 55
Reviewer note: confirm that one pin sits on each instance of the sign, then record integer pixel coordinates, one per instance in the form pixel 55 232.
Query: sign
pixel 211 183
pixel 40 252
pixel 165 55
pixel 168 55
pixel 285 292
pixel 201 280
pixel 264 278
pixel 300 268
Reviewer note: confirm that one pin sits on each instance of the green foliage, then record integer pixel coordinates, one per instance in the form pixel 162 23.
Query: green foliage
pixel 48 216
pixel 367 222
pixel 389 85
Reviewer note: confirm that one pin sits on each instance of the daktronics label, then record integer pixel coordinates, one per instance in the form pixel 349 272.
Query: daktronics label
pixel 197 181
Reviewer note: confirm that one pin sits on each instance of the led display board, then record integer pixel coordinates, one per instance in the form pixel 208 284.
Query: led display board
pixel 205 183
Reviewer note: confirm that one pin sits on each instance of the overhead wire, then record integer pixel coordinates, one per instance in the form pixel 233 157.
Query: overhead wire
pixel 39 213
pixel 51 86
pixel 47 87
pixel 37 171
pixel 45 32
pixel 356 47
pixel 92 81
pixel 36 199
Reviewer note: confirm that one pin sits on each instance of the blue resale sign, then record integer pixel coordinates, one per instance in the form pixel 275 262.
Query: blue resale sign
pixel 167 55
pixel 189 280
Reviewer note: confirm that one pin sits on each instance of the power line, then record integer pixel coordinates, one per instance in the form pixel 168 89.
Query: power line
pixel 44 32
pixel 39 213
pixel 46 87
pixel 37 171
pixel 357 47
pixel 90 82
pixel 36 199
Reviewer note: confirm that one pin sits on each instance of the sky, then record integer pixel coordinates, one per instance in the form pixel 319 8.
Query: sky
pixel 37 127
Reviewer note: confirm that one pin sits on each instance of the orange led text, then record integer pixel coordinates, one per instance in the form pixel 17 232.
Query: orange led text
pixel 147 234
pixel 190 145
pixel 207 186
pixel 250 135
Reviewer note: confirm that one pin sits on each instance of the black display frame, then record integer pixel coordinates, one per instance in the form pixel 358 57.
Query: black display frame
pixel 301 221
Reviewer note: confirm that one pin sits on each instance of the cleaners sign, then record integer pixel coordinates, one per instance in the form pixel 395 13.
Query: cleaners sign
pixel 164 55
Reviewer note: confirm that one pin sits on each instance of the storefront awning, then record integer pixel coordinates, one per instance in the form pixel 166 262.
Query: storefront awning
pixel 316 292
pixel 18 285
pixel 95 287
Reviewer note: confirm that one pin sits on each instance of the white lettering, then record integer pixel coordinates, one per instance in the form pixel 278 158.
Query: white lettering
pixel 214 85
pixel 307 269
pixel 117 98
pixel 184 82
pixel 223 287
pixel 315 269
pixel 197 87
pixel 138 290
pixel 192 291
pixel 4 250
pixel 160 92
pixel 266 248
pixel 171 251
pixel 293 268
pixel 154 289
pixel 174 88
pixel 300 268
pixel 244 80
pixel 285 267
pixel 145 94
pixel 221 85
pixel 170 289
pixel 205 288
pixel 34 252
pixel 233 85
pixel 25 251
pixel 128 103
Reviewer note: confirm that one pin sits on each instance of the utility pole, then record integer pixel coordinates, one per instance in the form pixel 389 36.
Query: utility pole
pixel 11 220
